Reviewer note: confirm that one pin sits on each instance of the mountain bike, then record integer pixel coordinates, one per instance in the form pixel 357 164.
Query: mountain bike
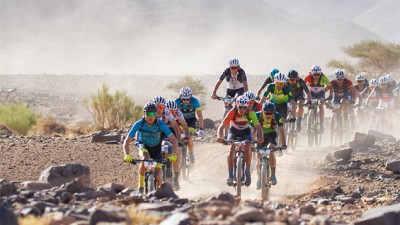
pixel 238 165
pixel 314 132
pixel 340 130
pixel 184 160
pixel 228 101
pixel 264 176
pixel 150 181
pixel 290 129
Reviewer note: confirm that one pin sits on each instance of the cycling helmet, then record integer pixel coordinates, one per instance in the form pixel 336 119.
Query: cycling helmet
pixel 389 77
pixel 250 95
pixel 383 80
pixel 360 77
pixel 158 100
pixel 171 105
pixel 280 77
pixel 242 101
pixel 150 107
pixel 339 74
pixel 268 106
pixel 273 72
pixel 293 74
pixel 316 69
pixel 186 92
pixel 233 62
pixel 373 82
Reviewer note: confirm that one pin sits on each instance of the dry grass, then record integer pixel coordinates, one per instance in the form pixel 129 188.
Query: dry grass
pixel 48 126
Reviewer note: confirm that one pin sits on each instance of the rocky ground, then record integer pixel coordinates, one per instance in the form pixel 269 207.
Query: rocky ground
pixel 325 185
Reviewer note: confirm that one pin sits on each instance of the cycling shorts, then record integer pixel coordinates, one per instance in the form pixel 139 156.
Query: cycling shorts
pixel 233 92
pixel 282 109
pixel 234 133
pixel 318 95
pixel 154 152
pixel 298 97
pixel 191 122
pixel 269 139
pixel 337 98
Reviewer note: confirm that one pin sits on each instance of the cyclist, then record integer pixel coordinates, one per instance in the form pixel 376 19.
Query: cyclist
pixel 236 80
pixel 280 94
pixel 391 82
pixel 151 131
pixel 166 116
pixel 298 86
pixel 190 107
pixel 271 123
pixel 362 88
pixel 238 120
pixel 318 84
pixel 384 93
pixel 372 96
pixel 269 80
pixel 344 93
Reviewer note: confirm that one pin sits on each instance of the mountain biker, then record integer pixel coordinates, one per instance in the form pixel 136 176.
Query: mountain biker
pixel 190 107
pixel 384 93
pixel 372 99
pixel 272 126
pixel 269 80
pixel 280 94
pixel 151 131
pixel 253 106
pixel 236 80
pixel 362 88
pixel 318 84
pixel 343 93
pixel 238 120
pixel 298 86
pixel 166 116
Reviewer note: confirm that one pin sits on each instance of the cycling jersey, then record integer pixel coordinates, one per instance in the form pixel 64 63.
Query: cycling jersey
pixel 346 87
pixel 255 107
pixel 189 111
pixel 316 86
pixel 298 88
pixel 240 122
pixel 269 126
pixel 266 82
pixel 278 96
pixel 234 82
pixel 167 116
pixel 149 136
pixel 179 118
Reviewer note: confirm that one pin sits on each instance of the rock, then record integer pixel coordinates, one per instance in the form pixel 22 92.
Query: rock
pixel 209 123
pixel 75 186
pixel 165 191
pixel 4 130
pixel 104 136
pixel 362 141
pixel 306 209
pixel 117 188
pixel 177 219
pixel 157 207
pixel 7 189
pixel 58 175
pixel 7 216
pixel 319 220
pixel 381 136
pixel 65 197
pixel 393 165
pixel 250 214
pixel 342 154
pixel 111 215
pixel 35 186
pixel 226 196
pixel 386 215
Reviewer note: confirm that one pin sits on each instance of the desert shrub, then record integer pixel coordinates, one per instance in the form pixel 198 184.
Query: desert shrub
pixel 197 86
pixel 18 117
pixel 47 126
pixel 112 111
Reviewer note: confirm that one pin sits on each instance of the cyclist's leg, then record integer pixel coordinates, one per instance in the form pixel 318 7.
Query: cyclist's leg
pixel 155 153
pixel 321 95
pixel 300 103
pixel 282 109
pixel 191 124
pixel 247 149
pixel 231 136
pixel 272 159
pixel 143 154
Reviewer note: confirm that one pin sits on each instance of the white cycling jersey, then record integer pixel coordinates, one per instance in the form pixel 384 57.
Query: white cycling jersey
pixel 234 83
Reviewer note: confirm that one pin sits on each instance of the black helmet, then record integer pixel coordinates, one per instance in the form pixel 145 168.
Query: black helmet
pixel 293 74
pixel 150 107
pixel 268 106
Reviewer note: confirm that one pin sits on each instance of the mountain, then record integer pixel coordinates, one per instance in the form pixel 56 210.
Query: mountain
pixel 166 37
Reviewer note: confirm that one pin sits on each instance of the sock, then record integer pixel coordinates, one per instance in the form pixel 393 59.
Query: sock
pixel 273 171
pixel 141 181
pixel 230 172
pixel 176 176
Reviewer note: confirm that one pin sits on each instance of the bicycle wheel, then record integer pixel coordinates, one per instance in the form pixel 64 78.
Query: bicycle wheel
pixel 239 174
pixel 332 132
pixel 150 184
pixel 310 128
pixel 185 167
pixel 264 173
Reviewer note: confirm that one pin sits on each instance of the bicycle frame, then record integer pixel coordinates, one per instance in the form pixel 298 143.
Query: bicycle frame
pixel 238 165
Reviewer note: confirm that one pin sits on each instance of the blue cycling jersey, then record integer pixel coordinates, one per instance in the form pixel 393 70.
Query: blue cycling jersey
pixel 149 136
pixel 188 111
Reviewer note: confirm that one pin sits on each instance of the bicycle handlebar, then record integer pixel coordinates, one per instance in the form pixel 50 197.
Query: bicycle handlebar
pixel 263 150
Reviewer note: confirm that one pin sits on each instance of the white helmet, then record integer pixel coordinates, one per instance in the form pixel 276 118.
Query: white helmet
pixel 279 77
pixel 234 62
pixel 373 82
pixel 186 92
pixel 316 69
pixel 360 77
pixel 158 100
pixel 250 95
pixel 383 80
pixel 171 105
pixel 389 77
pixel 339 74
pixel 242 101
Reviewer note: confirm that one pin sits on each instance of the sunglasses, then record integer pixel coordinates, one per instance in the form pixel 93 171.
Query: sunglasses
pixel 234 67
pixel 268 113
pixel 316 74
pixel 150 113
pixel 242 107
pixel 185 99
pixel 251 102
pixel 160 107
pixel 292 80
pixel 279 83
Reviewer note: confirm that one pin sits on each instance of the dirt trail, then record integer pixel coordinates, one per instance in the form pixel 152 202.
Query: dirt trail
pixel 209 176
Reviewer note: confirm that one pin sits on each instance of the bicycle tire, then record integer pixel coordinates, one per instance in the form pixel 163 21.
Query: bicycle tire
pixel 239 174
pixel 332 132
pixel 150 184
pixel 185 167
pixel 310 128
pixel 264 173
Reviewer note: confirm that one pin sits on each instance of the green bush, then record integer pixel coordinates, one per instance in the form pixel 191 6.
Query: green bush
pixel 112 111
pixel 17 117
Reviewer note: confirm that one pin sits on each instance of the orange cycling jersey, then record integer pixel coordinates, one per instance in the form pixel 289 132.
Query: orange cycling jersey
pixel 238 121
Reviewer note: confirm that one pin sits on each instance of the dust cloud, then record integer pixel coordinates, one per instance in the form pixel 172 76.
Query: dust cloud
pixel 163 37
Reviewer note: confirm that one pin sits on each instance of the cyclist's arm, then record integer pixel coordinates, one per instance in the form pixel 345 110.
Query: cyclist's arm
pixel 200 116
pixel 245 85
pixel 225 123
pixel 305 89
pixel 176 129
pixel 129 137
pixel 262 87
pixel 216 87
pixel 164 128
pixel 282 135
